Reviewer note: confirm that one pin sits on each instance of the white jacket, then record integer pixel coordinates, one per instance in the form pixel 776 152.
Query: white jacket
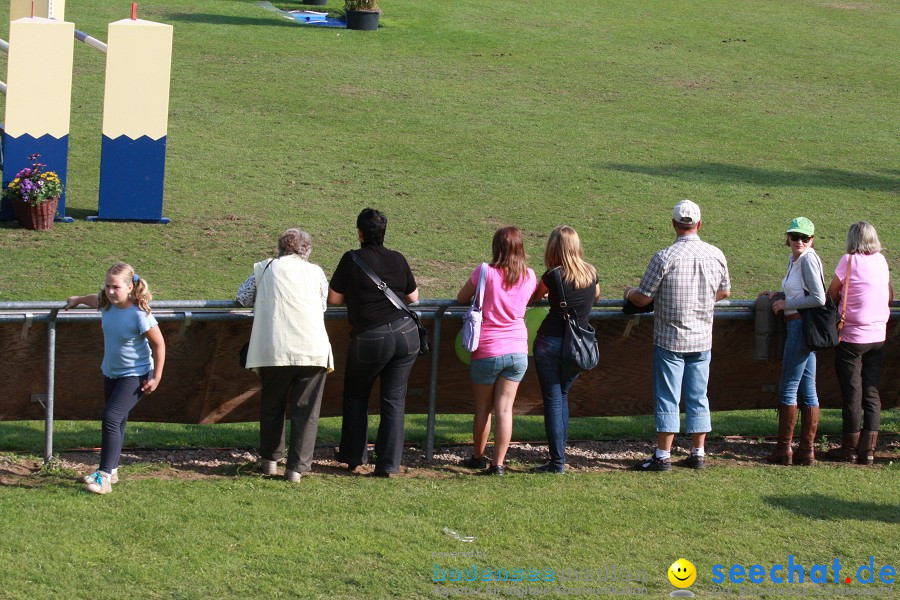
pixel 289 315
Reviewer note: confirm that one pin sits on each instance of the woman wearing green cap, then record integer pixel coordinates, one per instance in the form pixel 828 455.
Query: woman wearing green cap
pixel 802 287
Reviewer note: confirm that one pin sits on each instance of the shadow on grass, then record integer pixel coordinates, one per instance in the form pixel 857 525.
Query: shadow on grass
pixel 214 19
pixel 724 173
pixel 820 506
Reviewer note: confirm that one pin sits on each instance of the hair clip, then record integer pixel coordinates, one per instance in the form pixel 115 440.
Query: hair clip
pixel 135 278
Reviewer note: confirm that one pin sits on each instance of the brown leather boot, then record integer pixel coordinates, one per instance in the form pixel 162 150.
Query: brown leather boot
pixel 787 417
pixel 847 451
pixel 809 423
pixel 866 448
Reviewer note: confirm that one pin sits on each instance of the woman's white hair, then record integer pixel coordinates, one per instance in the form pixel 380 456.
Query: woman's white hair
pixel 295 241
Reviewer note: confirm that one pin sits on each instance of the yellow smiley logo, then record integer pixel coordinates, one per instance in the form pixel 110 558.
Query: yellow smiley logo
pixel 682 573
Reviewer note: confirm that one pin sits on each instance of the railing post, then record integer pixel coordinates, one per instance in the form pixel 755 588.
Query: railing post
pixel 51 378
pixel 432 383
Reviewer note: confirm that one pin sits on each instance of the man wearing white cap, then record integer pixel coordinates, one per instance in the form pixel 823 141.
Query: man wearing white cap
pixel 684 281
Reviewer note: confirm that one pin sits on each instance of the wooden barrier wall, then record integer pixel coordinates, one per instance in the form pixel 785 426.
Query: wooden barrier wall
pixel 204 384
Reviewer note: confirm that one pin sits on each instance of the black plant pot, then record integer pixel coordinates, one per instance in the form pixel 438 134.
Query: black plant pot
pixel 362 20
pixel 315 2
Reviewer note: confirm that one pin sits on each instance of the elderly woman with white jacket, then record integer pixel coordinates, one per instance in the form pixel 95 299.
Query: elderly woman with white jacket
pixel 289 348
pixel 803 287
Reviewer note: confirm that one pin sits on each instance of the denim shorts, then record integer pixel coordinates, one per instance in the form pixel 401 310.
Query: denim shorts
pixel 485 371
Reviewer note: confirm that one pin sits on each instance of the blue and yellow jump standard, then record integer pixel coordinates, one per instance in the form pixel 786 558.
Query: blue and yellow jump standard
pixel 38 123
pixel 135 118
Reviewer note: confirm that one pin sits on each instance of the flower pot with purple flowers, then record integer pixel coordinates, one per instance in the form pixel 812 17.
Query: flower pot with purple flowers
pixel 34 194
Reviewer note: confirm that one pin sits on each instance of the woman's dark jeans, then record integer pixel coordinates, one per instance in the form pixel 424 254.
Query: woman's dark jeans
pixel 122 394
pixel 556 379
pixel 388 351
pixel 858 368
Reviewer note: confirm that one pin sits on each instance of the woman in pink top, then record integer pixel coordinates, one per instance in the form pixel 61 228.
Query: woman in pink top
pixel 501 359
pixel 858 360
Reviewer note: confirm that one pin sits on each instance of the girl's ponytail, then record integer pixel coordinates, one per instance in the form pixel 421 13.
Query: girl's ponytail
pixel 140 295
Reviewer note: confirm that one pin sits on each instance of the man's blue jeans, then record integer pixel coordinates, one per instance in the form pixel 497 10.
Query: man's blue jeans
pixel 674 374
pixel 798 369
pixel 556 379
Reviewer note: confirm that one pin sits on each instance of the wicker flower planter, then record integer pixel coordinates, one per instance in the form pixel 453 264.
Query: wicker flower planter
pixel 39 218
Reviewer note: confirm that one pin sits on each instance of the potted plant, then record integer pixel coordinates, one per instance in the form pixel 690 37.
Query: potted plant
pixel 34 194
pixel 362 14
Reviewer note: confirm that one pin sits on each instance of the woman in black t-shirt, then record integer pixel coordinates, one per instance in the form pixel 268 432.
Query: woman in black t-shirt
pixel 384 344
pixel 579 279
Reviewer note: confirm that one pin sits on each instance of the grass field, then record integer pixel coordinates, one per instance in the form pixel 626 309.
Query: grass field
pixel 454 118
pixel 457 117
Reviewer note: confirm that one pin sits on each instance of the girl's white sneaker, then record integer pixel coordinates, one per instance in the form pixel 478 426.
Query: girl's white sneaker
pixel 113 478
pixel 100 483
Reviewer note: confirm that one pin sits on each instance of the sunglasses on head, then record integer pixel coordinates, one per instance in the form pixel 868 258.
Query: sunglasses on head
pixel 796 237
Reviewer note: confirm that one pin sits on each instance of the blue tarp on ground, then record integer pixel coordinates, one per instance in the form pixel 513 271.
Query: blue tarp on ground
pixel 309 18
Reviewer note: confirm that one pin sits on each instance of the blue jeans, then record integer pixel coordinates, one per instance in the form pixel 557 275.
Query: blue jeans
pixel 798 370
pixel 674 374
pixel 556 379
pixel 387 352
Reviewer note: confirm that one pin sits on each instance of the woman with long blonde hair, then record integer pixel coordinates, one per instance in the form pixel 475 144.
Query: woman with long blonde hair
pixel 564 257
pixel 501 359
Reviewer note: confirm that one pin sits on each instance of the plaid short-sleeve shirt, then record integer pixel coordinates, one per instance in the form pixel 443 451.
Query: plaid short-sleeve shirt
pixel 683 280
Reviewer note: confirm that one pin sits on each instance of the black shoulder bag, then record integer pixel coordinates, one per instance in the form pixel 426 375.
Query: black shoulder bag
pixel 579 344
pixel 424 344
pixel 822 324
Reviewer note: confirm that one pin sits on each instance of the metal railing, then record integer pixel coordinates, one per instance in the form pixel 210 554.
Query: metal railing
pixel 187 311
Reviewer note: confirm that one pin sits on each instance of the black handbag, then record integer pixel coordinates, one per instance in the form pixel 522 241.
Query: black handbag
pixel 424 342
pixel 822 325
pixel 245 349
pixel 579 346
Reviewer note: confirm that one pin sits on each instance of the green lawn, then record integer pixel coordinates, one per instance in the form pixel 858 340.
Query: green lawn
pixel 28 436
pixel 454 118
pixel 457 117
pixel 353 537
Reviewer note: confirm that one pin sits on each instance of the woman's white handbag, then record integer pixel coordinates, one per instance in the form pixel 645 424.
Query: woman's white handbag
pixel 471 329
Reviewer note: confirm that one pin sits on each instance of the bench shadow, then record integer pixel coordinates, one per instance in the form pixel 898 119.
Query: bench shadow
pixel 714 172
pixel 828 508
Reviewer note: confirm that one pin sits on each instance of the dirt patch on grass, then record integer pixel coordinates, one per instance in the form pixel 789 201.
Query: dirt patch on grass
pixel 693 84
pixel 582 457
pixel 850 5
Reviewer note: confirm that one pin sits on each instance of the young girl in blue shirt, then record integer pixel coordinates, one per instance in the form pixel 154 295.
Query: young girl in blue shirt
pixel 129 368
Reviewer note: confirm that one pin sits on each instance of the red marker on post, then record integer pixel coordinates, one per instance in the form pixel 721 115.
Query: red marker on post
pixel 134 11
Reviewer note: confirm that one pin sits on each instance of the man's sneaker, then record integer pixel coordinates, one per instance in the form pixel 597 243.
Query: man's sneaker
pixel 99 483
pixel 475 462
pixel 654 464
pixel 268 467
pixel 114 478
pixel 292 476
pixel 694 461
